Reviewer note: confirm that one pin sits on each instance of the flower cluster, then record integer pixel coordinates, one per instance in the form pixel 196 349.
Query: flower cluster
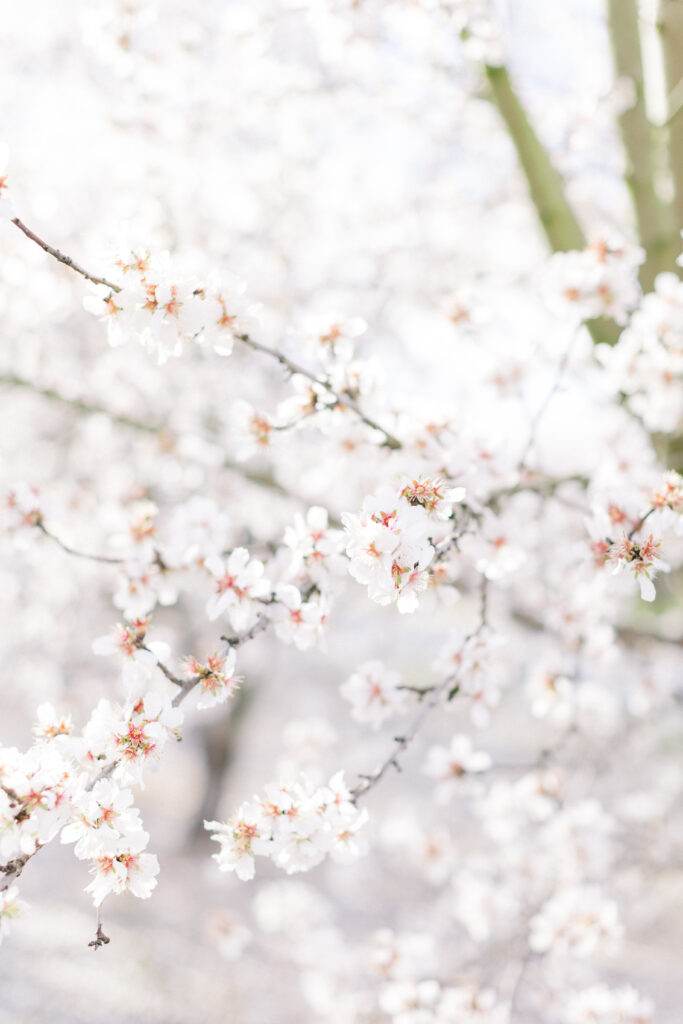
pixel 107 830
pixel 601 280
pixel 132 735
pixel 576 921
pixel 296 825
pixel 427 1002
pixel 165 313
pixel 390 541
pixel 647 363
pixel 217 679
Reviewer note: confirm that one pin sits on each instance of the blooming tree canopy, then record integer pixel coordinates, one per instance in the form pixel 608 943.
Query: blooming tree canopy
pixel 416 492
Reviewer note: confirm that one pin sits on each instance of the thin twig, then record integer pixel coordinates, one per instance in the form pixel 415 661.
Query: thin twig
pixel 542 409
pixel 110 559
pixel 261 479
pixel 167 672
pixel 401 743
pixel 448 684
pixel 66 260
pixel 640 522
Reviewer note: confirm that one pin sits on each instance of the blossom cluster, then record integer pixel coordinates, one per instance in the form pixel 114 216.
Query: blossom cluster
pixel 390 541
pixel 296 825
pixel 601 280
pixel 165 313
pixel 647 363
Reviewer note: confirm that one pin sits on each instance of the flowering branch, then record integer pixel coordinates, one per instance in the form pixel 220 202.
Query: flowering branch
pixel 401 743
pixel 341 399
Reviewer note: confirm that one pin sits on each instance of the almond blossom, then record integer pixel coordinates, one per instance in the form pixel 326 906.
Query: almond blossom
pixel 139 656
pixel 239 583
pixel 217 679
pixel 128 869
pixel 449 764
pixel 296 825
pixel 375 693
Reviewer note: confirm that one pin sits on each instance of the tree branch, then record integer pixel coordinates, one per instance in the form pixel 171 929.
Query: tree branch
pixel 546 186
pixel 341 399
pixel 654 218
pixel 670 25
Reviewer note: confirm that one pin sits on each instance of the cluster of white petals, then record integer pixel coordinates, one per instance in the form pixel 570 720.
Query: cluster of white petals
pixel 601 280
pixel 390 541
pixel 295 825
pixel 166 313
pixel 375 693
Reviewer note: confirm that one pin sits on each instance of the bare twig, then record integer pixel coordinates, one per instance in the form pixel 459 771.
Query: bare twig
pixel 542 409
pixel 401 743
pixel 110 559
pixel 66 260
pixel 640 522
pixel 448 685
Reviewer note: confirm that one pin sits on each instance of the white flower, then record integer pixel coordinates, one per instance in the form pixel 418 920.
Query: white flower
pixel 129 869
pixel 104 820
pixel 240 841
pixel 315 547
pixel 374 693
pixel 602 280
pixel 448 764
pixel 295 825
pixel 51 724
pixel 389 547
pixel 10 908
pixel 602 1005
pixel 217 679
pixel 577 921
pixel 139 657
pixel 239 582
pixel 297 621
